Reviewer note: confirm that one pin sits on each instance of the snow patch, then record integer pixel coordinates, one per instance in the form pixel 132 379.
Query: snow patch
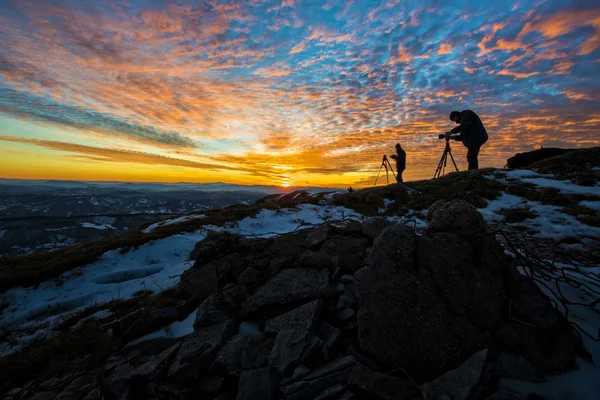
pixel 594 205
pixel 564 186
pixel 176 329
pixel 96 226
pixel 151 227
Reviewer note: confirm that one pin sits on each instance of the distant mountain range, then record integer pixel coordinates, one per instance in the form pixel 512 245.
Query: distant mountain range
pixel 155 186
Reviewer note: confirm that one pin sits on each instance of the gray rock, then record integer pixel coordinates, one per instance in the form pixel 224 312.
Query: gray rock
pixel 407 317
pixel 220 307
pixel 293 285
pixel 198 351
pixel 316 238
pixel 346 315
pixel 119 380
pixel 280 264
pixel 249 276
pixel 292 348
pixel 347 395
pixel 353 228
pixel 364 360
pixel 300 372
pixel 458 384
pixel 472 285
pixel 14 392
pixel 375 385
pixel 328 375
pixel 258 384
pixel 213 245
pixel 156 366
pixel 145 320
pixel 329 335
pixel 240 354
pixel 349 252
pixel 253 356
pixel 305 317
pixel 50 395
pixel 330 393
pixel 373 226
pixel 506 394
pixel 228 358
pixel 457 216
pixel 515 367
pixel 94 394
pixel 208 384
pixel 198 282
pixel 316 259
pixel 394 249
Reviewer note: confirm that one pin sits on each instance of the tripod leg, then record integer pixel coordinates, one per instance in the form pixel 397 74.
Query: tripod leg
pixel 387 174
pixel 439 168
pixel 438 171
pixel 378 174
pixel 391 169
pixel 453 162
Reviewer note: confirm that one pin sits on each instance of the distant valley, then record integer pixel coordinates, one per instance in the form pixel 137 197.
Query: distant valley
pixel 37 216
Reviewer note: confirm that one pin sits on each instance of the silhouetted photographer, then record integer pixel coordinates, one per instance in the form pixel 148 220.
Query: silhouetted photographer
pixel 471 132
pixel 400 158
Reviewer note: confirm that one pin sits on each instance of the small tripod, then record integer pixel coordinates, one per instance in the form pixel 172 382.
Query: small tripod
pixel 441 169
pixel 388 167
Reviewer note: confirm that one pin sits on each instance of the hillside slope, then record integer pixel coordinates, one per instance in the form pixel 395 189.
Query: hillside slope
pixel 173 280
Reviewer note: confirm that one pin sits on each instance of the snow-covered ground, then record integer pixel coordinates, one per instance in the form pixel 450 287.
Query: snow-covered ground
pixel 178 220
pixel 96 226
pixel 154 266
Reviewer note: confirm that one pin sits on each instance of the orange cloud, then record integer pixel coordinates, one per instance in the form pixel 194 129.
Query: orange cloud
pixel 445 48
pixel 564 22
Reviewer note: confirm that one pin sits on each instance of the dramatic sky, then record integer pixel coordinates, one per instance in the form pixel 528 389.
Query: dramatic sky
pixel 286 92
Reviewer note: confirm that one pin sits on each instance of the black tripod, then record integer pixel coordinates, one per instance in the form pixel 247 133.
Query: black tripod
pixel 441 169
pixel 388 167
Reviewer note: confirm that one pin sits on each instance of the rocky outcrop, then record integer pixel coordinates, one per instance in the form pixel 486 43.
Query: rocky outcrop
pixel 427 303
pixel 442 312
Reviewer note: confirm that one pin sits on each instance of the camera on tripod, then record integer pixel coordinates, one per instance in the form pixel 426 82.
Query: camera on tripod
pixel 443 136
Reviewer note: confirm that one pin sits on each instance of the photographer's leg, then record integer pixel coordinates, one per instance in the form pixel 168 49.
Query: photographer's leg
pixel 472 154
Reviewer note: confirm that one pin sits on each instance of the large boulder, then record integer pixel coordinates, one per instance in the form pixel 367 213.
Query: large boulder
pixel 292 285
pixel 348 253
pixel 144 320
pixel 199 282
pixel 305 317
pixel 373 226
pixel 308 386
pixel 376 385
pixel 220 307
pixel 198 351
pixel 427 303
pixel 457 216
pixel 458 384
pixel 295 347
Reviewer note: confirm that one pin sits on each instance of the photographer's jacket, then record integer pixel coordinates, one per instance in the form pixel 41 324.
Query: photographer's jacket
pixel 472 131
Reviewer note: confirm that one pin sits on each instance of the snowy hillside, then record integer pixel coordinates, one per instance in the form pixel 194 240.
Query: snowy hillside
pixel 538 217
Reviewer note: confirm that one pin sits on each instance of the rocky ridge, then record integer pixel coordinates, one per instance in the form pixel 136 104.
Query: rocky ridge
pixel 372 310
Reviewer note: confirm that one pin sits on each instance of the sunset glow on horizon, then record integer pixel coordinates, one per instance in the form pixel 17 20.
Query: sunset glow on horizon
pixel 288 92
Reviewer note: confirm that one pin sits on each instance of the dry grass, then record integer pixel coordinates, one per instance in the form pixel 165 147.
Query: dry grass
pixel 369 200
pixel 32 269
pixel 470 186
